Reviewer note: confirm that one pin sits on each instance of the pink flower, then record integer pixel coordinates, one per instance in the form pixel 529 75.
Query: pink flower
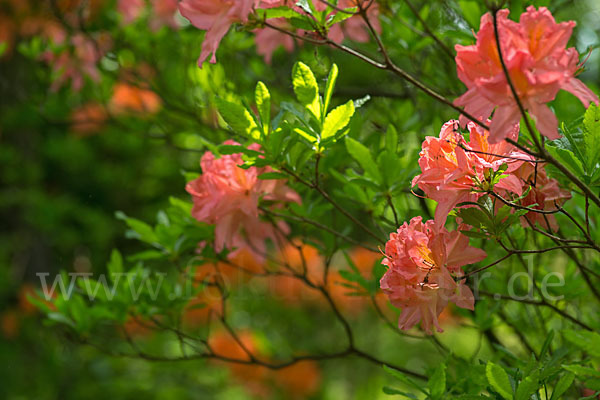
pixel 130 9
pixel 423 262
pixel 163 14
pixel 454 170
pixel 545 194
pixel 77 59
pixel 268 39
pixel 534 51
pixel 228 196
pixel 354 28
pixel 215 17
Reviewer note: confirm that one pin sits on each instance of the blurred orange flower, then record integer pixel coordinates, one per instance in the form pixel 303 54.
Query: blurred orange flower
pixel 128 98
pixel 299 380
pixel 252 376
pixel 88 119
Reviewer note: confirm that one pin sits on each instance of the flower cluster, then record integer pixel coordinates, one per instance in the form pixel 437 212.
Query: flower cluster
pixel 538 62
pixel 454 170
pixel 217 16
pixel 228 196
pixel 424 262
pixel 422 272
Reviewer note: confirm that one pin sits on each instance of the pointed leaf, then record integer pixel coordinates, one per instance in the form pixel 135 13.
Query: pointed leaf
pixel 591 124
pixel 564 383
pixel 391 139
pixel 115 264
pixel 263 103
pixel 527 387
pixel 588 341
pixel 437 382
pixel 331 79
pixel 238 118
pixel 362 155
pixel 337 120
pixel 498 379
pixel 306 88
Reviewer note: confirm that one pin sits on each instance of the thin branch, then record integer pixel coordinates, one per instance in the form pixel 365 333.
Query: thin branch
pixel 443 45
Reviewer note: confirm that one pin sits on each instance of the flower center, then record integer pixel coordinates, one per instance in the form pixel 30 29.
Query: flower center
pixel 427 259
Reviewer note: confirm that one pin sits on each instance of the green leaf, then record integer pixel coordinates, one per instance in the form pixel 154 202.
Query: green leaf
pixel 115 264
pixel 277 12
pixel 593 384
pixel 437 382
pixel 563 384
pixel 591 136
pixel 499 381
pixel 3 47
pixel 567 157
pixel 547 343
pixel 146 255
pixel 38 301
pixel 527 387
pixel 263 103
pixel 306 88
pixel 362 155
pixel 588 341
pixel 471 11
pixel 580 370
pixel 475 234
pixel 331 79
pixel 61 318
pixel 391 139
pixel 302 22
pixel 404 379
pixel 392 392
pixel 391 168
pixel 337 120
pixel 273 175
pixel 306 135
pixel 575 142
pixel 141 230
pixel 237 149
pixel 341 16
pixel 238 118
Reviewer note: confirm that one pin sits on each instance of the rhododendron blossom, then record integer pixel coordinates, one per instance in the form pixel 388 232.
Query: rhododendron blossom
pixel 228 196
pixel 539 64
pixel 215 17
pixel 544 194
pixel 268 39
pixel 423 263
pixel 454 170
